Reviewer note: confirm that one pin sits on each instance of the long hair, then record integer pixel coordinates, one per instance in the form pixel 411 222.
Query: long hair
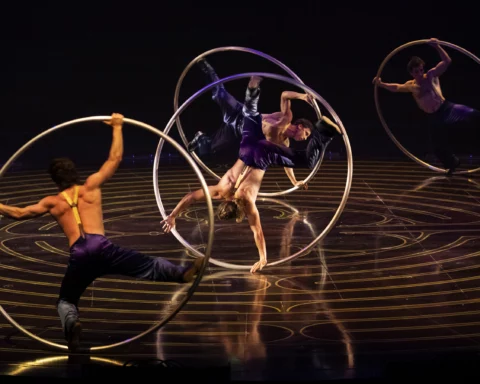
pixel 232 209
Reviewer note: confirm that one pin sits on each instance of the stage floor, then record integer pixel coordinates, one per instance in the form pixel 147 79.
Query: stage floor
pixel 395 282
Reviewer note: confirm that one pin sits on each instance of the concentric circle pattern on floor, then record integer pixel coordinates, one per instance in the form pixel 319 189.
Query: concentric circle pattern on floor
pixel 398 276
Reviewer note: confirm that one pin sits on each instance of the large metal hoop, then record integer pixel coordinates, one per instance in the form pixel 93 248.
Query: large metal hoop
pixel 348 183
pixel 208 250
pixel 379 112
pixel 256 53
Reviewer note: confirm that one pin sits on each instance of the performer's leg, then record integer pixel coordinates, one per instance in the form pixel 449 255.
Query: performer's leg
pixel 442 121
pixel 229 106
pixel 458 113
pixel 83 268
pixel 442 148
pixel 128 262
pixel 231 110
pixel 250 107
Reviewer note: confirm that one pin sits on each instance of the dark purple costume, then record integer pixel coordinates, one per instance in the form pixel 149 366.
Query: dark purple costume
pixel 260 153
pixel 440 121
pixel 244 122
pixel 92 256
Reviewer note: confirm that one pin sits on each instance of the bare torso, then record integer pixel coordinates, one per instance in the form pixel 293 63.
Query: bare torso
pixel 229 179
pixel 273 126
pixel 428 94
pixel 238 180
pixel 89 208
pixel 250 184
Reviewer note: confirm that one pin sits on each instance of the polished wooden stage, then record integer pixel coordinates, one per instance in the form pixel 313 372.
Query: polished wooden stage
pixel 394 284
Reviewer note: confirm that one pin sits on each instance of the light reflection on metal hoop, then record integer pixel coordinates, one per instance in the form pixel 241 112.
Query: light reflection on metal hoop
pixel 305 88
pixel 208 250
pixel 256 53
pixel 379 112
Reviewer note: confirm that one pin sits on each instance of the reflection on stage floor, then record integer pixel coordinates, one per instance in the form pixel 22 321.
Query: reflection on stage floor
pixel 395 281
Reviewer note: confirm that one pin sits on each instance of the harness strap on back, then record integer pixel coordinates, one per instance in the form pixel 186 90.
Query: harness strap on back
pixel 245 170
pixel 74 205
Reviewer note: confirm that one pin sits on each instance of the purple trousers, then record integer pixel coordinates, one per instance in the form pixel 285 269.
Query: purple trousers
pixel 95 256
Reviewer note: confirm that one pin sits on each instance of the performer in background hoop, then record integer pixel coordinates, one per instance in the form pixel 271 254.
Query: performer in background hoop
pixel 426 90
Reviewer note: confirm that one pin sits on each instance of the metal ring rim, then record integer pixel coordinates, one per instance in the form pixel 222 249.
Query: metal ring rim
pixel 256 53
pixel 380 115
pixel 207 254
pixel 347 184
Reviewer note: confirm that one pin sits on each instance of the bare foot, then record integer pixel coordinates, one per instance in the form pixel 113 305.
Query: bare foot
pixel 258 266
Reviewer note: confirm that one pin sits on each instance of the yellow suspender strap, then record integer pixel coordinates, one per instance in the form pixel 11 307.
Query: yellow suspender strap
pixel 73 204
pixel 245 170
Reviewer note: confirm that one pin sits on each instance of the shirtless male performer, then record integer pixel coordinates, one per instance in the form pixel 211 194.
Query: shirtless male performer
pixel 425 88
pixel 77 208
pixel 278 127
pixel 239 186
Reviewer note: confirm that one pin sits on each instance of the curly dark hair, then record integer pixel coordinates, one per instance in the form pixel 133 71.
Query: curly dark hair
pixel 63 172
pixel 305 122
pixel 414 62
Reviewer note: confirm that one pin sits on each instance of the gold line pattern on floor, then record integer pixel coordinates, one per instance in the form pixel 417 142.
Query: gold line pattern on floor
pixel 397 274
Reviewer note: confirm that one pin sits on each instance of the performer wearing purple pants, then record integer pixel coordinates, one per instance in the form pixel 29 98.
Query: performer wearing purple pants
pixel 442 114
pixel 78 210
pixel 239 186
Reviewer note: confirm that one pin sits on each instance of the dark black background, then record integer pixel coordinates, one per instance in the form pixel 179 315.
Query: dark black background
pixel 62 61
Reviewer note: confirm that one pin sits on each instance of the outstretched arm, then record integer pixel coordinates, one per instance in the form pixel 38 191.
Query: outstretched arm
pixel 442 66
pixel 393 87
pixel 115 157
pixel 29 212
pixel 188 199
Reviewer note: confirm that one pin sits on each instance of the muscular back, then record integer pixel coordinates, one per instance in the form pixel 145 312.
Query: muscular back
pixel 250 185
pixel 89 202
pixel 226 186
pixel 273 126
pixel 89 208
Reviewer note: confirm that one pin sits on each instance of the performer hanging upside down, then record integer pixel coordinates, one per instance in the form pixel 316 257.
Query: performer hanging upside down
pixel 239 186
pixel 425 88
pixel 277 127
pixel 77 209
